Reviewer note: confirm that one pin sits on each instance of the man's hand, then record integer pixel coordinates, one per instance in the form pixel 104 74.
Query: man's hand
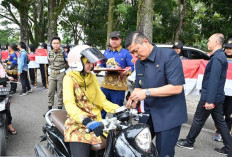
pixel 11 78
pixel 131 104
pixel 209 106
pixel 138 94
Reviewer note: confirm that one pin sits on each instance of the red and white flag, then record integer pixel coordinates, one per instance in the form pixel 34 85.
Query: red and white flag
pixel 194 73
pixel 32 63
pixel 41 56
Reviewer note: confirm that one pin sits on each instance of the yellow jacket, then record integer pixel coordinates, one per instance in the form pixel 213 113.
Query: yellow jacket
pixel 83 98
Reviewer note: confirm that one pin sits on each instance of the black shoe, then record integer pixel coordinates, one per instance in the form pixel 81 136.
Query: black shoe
pixel 184 144
pixel 223 150
pixel 59 107
pixel 12 92
pixel 49 108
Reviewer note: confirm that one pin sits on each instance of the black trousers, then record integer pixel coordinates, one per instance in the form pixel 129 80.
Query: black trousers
pixel 200 117
pixel 227 110
pixel 80 149
pixel 43 75
pixel 24 81
pixel 13 86
pixel 32 75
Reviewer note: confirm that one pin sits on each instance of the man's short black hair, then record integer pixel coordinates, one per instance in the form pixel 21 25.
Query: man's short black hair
pixel 22 45
pixel 135 37
pixel 55 38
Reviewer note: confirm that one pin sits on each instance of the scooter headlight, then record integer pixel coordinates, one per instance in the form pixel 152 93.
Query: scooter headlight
pixel 143 140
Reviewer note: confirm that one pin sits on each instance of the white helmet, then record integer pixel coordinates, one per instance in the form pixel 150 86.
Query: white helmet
pixel 91 53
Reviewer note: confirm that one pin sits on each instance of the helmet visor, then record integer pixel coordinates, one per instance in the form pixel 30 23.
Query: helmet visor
pixel 93 55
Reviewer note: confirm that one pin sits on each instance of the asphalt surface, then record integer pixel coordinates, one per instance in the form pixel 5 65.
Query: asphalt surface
pixel 27 116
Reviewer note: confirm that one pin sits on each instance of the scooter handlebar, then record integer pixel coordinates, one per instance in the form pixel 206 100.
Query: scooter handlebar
pixel 112 123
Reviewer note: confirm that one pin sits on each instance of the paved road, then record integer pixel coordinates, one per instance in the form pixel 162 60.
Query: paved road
pixel 28 121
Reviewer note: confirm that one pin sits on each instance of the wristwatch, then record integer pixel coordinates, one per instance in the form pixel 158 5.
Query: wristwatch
pixel 148 93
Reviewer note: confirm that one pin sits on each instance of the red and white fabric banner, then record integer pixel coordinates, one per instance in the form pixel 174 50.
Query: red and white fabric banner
pixel 41 56
pixel 32 63
pixel 194 72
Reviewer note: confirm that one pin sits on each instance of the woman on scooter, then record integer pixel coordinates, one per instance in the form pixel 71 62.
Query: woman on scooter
pixel 83 100
pixel 3 79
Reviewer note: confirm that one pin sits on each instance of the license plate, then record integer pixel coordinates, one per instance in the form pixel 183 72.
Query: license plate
pixel 4 91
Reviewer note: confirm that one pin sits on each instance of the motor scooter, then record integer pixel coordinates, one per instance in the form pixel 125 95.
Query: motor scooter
pixel 124 138
pixel 4 107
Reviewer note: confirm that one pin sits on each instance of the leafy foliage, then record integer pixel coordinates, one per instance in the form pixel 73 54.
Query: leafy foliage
pixel 86 20
pixel 8 35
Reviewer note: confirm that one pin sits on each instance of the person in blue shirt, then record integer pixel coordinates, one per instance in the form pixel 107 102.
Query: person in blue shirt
pixel 114 84
pixel 159 82
pixel 12 64
pixel 23 68
pixel 178 47
pixel 66 50
pixel 212 97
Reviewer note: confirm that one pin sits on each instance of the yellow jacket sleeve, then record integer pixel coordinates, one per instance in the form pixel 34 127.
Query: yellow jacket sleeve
pixel 105 104
pixel 69 101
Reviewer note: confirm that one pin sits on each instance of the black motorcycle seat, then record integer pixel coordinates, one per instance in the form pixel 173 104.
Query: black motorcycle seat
pixel 58 119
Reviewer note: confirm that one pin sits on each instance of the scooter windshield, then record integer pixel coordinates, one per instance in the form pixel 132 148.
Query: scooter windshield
pixel 93 55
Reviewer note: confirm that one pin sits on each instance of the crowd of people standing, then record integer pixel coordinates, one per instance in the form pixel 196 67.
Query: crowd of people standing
pixel 159 84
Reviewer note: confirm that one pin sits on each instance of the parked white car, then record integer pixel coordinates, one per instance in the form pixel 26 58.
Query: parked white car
pixel 188 52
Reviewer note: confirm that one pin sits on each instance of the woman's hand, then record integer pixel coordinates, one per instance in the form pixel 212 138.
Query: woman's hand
pixel 95 126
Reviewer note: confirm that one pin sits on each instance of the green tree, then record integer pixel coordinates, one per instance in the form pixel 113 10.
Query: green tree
pixel 55 8
pixel 70 21
pixel 145 17
pixel 126 17
pixel 8 35
pixel 22 7
pixel 37 19
pixel 217 17
pixel 94 22
pixel 110 20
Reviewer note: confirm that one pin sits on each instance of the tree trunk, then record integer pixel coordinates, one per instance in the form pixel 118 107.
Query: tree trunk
pixel 36 25
pixel 55 7
pixel 110 20
pixel 145 18
pixel 182 13
pixel 23 14
pixel 52 20
pixel 41 21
